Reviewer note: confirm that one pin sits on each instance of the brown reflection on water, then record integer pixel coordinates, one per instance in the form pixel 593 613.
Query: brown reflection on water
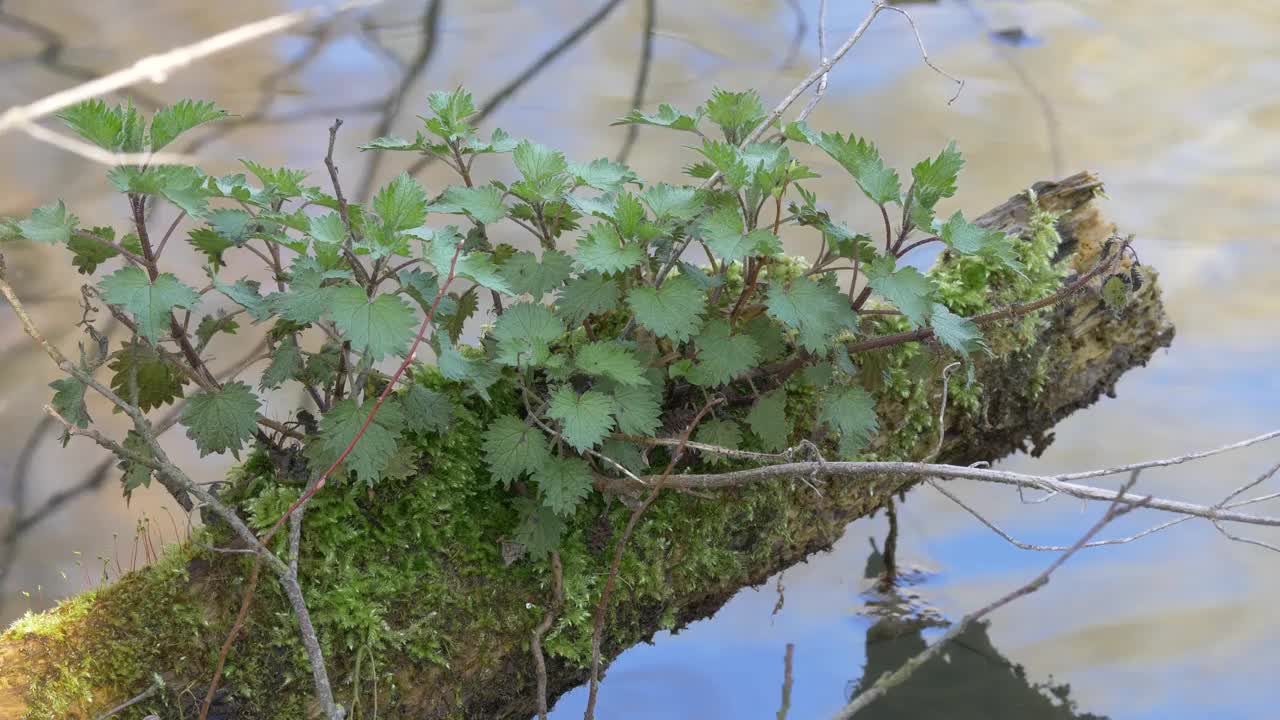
pixel 1174 103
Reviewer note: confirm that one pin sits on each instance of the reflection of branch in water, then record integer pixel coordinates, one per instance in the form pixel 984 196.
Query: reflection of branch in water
pixel 1053 129
pixel 797 39
pixel 50 55
pixel 537 66
pixel 18 496
pixel 642 76
pixel 974 681
pixel 390 108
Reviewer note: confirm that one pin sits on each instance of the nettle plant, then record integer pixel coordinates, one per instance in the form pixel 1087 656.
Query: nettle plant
pixel 612 337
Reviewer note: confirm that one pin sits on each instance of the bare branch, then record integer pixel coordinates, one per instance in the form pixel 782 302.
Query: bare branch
pixel 924 54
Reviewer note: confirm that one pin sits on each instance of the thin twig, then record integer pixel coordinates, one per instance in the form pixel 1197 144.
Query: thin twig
pixel 787 680
pixel 548 617
pixel 924 54
pixel 642 77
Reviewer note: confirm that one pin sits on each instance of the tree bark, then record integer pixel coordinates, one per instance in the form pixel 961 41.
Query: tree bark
pixel 467 655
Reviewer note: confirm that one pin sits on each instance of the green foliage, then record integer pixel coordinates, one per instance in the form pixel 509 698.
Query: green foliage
pixel 606 330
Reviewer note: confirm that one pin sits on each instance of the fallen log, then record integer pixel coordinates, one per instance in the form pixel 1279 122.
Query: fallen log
pixel 408 583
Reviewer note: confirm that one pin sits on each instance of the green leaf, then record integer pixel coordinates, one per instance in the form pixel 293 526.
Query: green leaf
pixel 425 410
pixel 88 254
pixel 245 293
pixel 149 303
pixel 210 243
pixel 68 401
pixel 908 290
pixel 170 122
pixel 483 204
pixel 401 204
pixel 159 382
pixel 540 528
pixel 393 142
pixel 115 128
pixel 768 337
pixel 957 333
pixel 136 475
pixel 613 361
pixel 586 295
pixel 850 411
pixel 524 273
pixel 629 215
pixel 966 238
pixel 768 420
pixel 585 418
pixel 370 456
pixel 525 332
pixel 721 355
pixel 380 327
pixel 543 170
pixel 286 363
pixel 604 175
pixel 50 224
pixel 306 300
pixel 668 202
pixel 1115 292
pixel 723 233
pixel 565 482
pixel 667 117
pixel 603 250
pixel 211 325
pixel 934 179
pixel 672 311
pixel 638 408
pixel 512 448
pixel 455 365
pixel 861 159
pixel 721 433
pixel 816 310
pixel 451 109
pixel 222 420
pixel 737 113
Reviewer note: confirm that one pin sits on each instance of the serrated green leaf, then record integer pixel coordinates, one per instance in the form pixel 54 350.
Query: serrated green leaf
pixel 88 254
pixel 51 224
pixel 425 410
pixel 543 170
pixel 722 356
pixel 564 482
pixel 603 250
pixel 211 325
pixel 850 411
pixel 451 109
pixel 393 142
pixel 441 245
pixel 671 202
pixel 369 456
pixel 210 243
pixel 286 363
pixel 222 420
pixel 737 113
pixel 453 364
pixel 672 311
pixel 725 158
pixel 149 302
pixel 613 361
pixel 170 122
pixel 908 289
pixel 512 448
pixel 861 159
pixel 957 333
pixel 112 128
pixel 525 273
pixel 380 326
pixel 585 419
pixel 768 420
pixel 604 175
pixel 817 311
pixel 1115 292
pixel 483 204
pixel 159 382
pixel 586 295
pixel 540 528
pixel 724 234
pixel 401 204
pixel 638 408
pixel 768 337
pixel 667 117
pixel 966 238
pixel 136 475
pixel 306 300
pixel 933 180
pixel 245 293
pixel 68 401
pixel 721 433
pixel 525 332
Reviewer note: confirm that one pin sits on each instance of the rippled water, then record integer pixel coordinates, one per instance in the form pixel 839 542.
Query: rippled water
pixel 1175 104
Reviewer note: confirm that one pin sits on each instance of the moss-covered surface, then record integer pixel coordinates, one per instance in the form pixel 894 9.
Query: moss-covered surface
pixel 418 612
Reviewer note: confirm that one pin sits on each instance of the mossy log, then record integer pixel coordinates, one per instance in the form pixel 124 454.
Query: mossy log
pixel 408 585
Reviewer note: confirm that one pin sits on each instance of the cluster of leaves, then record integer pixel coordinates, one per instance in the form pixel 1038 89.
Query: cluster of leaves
pixel 609 332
